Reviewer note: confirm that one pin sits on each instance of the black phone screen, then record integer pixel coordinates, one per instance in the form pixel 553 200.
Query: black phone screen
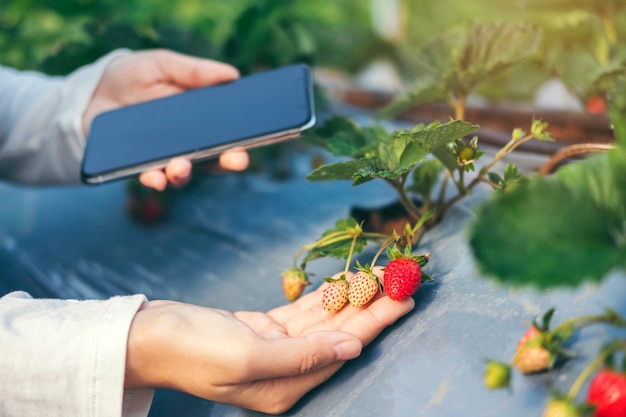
pixel 254 106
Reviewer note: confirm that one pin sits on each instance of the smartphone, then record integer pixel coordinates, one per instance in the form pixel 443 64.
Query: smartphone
pixel 199 124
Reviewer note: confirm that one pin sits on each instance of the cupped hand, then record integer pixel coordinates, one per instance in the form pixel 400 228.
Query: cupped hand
pixel 260 361
pixel 152 74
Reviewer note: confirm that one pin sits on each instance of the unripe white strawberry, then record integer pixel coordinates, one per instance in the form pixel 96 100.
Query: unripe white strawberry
pixel 335 296
pixel 363 287
pixel 530 356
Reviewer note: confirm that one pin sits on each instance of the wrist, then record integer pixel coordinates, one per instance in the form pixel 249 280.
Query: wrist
pixel 146 348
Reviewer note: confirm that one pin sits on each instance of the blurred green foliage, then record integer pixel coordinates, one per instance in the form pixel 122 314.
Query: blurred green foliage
pixel 582 40
pixel 59 36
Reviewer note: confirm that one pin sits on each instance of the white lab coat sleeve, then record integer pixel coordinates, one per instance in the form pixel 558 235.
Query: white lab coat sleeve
pixel 64 358
pixel 41 135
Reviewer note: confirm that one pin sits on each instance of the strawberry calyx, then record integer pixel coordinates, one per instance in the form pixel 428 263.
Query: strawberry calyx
pixel 296 273
pixel 335 295
pixel 330 279
pixel 394 253
pixel 367 269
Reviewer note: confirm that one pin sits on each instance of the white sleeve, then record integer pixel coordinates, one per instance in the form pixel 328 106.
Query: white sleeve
pixel 41 134
pixel 64 358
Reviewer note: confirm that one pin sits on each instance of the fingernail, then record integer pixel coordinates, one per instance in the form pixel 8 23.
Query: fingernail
pixel 348 349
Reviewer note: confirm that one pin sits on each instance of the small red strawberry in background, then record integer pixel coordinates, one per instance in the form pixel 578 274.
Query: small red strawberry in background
pixel 403 274
pixel 294 282
pixel 145 205
pixel 335 296
pixel 363 287
pixel 596 105
pixel 607 392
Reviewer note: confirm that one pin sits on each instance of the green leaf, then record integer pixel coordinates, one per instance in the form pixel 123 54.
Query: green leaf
pixel 491 49
pixel 402 152
pixel 602 181
pixel 556 231
pixel 369 173
pixel 425 177
pixel 436 138
pixel 495 178
pixel 341 245
pixel 456 62
pixel 344 170
pixel 511 173
pixel 395 157
pixel 422 92
pixel 437 135
pixel 341 136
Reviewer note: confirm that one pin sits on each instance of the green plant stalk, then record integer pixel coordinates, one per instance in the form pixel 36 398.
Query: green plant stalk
pixel 460 183
pixel 609 317
pixel 443 189
pixel 349 258
pixel 609 28
pixel 380 250
pixel 332 238
pixel 595 364
pixel 458 105
pixel 503 152
pixel 405 200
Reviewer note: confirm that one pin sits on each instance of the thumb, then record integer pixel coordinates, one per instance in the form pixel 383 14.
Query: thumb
pixel 303 355
pixel 191 72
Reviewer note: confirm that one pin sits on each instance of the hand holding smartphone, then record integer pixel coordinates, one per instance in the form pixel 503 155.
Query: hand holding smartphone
pixel 252 111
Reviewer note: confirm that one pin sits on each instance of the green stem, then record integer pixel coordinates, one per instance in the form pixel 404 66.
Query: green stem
pixel 407 203
pixel 595 364
pixel 610 317
pixel 442 191
pixel 582 377
pixel 349 259
pixel 459 107
pixel 504 151
pixel 382 248
pixel 609 28
pixel 460 183
pixel 370 235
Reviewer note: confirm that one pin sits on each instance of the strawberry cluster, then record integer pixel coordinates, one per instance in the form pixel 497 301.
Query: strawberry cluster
pixel 401 279
pixel 402 275
pixel 540 349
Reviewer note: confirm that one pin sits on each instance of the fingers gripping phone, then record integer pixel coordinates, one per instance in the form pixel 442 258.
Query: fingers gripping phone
pixel 256 110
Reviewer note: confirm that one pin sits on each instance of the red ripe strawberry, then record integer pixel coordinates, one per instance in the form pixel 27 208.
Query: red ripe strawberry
pixel 363 287
pixel 294 281
pixel 335 296
pixel 402 278
pixel 607 392
pixel 530 356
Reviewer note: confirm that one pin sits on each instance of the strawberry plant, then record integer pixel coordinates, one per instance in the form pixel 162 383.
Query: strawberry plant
pixel 414 162
pixel 539 230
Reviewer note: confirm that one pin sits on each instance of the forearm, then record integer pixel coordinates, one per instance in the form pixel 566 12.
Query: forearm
pixel 66 357
pixel 41 132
